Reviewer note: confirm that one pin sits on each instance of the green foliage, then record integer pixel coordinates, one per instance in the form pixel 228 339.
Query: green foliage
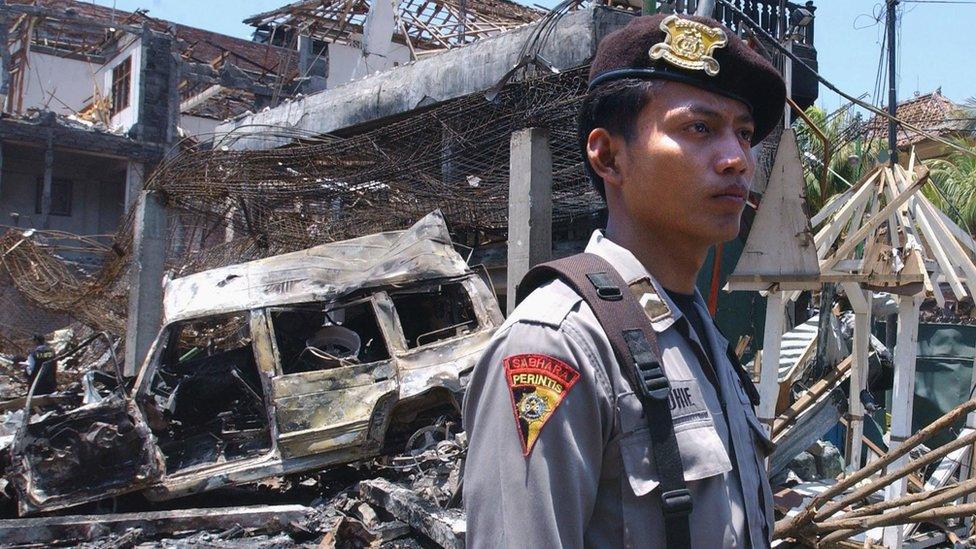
pixel 850 158
pixel 955 176
pixel 967 112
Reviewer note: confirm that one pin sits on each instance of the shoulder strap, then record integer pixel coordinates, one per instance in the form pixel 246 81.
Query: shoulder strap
pixel 638 353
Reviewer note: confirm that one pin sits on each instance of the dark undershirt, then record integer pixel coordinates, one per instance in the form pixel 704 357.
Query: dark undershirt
pixel 686 303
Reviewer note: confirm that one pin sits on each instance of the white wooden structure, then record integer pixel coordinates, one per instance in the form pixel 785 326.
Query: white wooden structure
pixel 882 234
pixel 778 256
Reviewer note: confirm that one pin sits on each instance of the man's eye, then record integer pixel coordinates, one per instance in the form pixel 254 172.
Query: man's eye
pixel 699 127
pixel 746 135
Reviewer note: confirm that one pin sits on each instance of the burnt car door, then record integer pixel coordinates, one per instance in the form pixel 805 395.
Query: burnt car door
pixel 443 327
pixel 69 456
pixel 334 369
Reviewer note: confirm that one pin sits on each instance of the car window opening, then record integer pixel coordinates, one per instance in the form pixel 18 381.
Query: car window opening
pixel 206 402
pixel 435 313
pixel 311 338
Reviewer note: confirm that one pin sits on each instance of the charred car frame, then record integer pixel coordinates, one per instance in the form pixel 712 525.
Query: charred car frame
pixel 277 366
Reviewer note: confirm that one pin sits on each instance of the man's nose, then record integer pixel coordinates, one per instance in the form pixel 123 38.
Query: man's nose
pixel 733 156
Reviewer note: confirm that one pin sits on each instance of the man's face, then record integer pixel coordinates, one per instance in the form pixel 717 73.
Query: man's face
pixel 688 169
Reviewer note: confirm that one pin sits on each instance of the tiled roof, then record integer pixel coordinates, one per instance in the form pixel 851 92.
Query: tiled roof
pixel 932 112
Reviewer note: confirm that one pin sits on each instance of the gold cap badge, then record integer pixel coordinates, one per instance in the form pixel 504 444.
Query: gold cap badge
pixel 689 44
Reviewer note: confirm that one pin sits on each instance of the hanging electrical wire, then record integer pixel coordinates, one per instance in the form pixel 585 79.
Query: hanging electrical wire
pixel 830 85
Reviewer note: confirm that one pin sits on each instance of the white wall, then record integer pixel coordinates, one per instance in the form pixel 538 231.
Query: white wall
pixel 198 125
pixel 127 117
pixel 346 62
pixel 58 84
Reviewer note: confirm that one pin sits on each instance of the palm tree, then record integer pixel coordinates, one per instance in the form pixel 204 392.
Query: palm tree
pixel 851 155
pixel 955 177
pixel 967 112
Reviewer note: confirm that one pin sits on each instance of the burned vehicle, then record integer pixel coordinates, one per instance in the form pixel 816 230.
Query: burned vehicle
pixel 273 367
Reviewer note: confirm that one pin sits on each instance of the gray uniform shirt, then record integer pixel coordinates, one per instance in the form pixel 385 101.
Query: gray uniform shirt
pixel 588 478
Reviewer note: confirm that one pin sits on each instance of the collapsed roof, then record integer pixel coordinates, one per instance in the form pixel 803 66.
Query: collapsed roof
pixel 80 30
pixel 933 112
pixel 421 24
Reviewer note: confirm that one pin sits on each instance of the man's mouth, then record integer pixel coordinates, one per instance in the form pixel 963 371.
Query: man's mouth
pixel 733 192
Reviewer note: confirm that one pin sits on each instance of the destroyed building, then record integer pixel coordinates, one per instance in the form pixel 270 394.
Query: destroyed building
pixel 94 98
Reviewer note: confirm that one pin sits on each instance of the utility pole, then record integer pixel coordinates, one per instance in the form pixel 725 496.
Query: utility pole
pixel 785 37
pixel 892 96
pixel 706 8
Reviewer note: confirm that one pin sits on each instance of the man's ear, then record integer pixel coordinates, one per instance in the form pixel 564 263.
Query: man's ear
pixel 602 150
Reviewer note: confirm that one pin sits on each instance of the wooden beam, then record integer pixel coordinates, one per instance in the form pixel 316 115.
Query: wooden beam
pixel 851 241
pixel 943 233
pixel 902 399
pixel 769 375
pixel 812 394
pixel 937 242
pixel 828 234
pixel 861 303
pixel 64 16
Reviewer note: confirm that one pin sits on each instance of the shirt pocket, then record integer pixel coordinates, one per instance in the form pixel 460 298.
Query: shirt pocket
pixel 702 453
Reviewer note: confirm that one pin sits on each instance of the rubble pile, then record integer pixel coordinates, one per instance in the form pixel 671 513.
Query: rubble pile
pixel 406 500
pixel 94 356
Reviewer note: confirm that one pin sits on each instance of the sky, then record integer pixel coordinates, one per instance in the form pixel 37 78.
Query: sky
pixel 934 41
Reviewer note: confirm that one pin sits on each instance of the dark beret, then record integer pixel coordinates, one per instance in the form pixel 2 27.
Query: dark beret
pixel 698 51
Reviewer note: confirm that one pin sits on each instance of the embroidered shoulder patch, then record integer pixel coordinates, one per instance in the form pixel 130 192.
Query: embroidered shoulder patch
pixel 537 385
pixel 653 305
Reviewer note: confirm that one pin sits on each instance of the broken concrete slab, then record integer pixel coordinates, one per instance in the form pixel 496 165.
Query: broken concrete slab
pixel 428 81
pixel 77 528
pixel 446 527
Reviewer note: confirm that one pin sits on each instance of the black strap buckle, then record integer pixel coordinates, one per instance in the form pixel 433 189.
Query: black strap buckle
pixel 651 375
pixel 676 503
pixel 605 288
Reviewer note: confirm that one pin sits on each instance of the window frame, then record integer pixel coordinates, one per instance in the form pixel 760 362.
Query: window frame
pixel 66 186
pixel 328 306
pixel 464 283
pixel 164 341
pixel 121 87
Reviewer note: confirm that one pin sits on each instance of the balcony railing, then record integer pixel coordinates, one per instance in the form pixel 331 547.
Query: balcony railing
pixel 766 12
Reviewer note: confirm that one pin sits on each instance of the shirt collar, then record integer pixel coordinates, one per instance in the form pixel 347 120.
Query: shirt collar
pixel 634 274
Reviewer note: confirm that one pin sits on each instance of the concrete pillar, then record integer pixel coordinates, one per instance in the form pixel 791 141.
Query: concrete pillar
pixel 902 400
pixel 4 60
pixel 769 371
pixel 145 279
pixel 48 184
pixel 529 205
pixel 135 174
pixel 158 108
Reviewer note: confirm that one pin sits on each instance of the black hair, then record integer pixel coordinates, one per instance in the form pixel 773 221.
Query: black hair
pixel 613 106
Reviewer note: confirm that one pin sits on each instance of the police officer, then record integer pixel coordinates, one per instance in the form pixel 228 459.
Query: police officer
pixel 561 451
pixel 40 364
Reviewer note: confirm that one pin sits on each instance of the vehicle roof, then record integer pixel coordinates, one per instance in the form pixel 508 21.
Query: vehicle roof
pixel 321 273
